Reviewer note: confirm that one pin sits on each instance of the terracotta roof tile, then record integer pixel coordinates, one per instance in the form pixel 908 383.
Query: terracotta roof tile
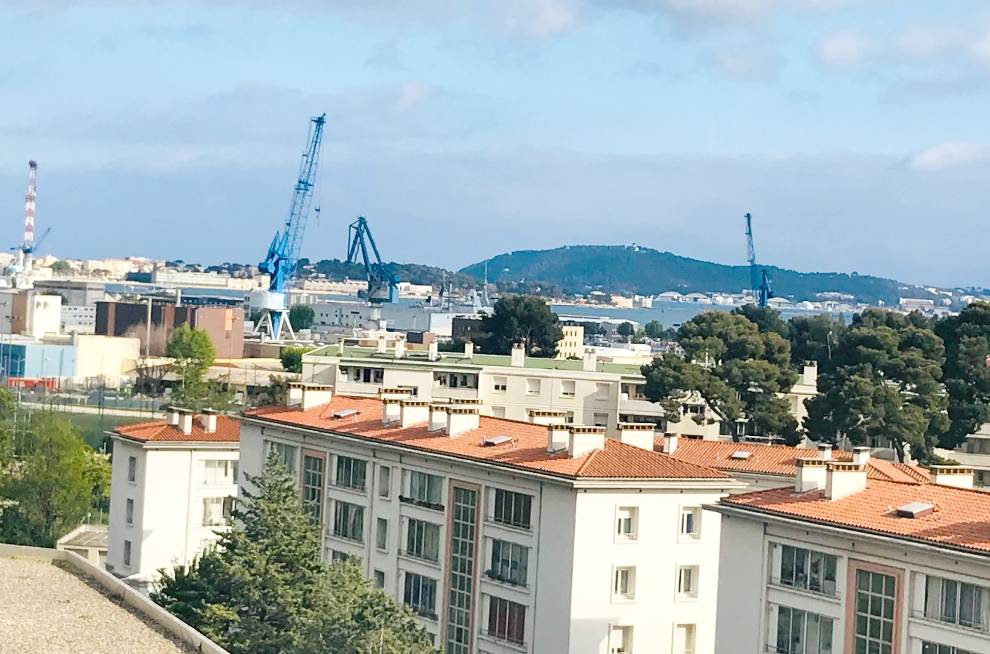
pixel 526 450
pixel 961 518
pixel 228 431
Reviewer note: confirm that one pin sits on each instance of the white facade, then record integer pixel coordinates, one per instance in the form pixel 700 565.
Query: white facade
pixel 106 358
pixel 168 500
pixel 591 567
pixel 79 319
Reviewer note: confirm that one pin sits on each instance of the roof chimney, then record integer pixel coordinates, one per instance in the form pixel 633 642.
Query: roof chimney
pixel 810 474
pixel 844 479
pixel 209 421
pixel 584 440
pixel 955 476
pixel 438 417
pixel 462 418
pixel 400 348
pixel 546 416
pixel 413 412
pixel 517 358
pixel 825 451
pixel 468 349
pixel 185 421
pixel 173 416
pixel 809 376
pixel 589 362
pixel 670 443
pixel 314 395
pixel 861 455
pixel 637 434
pixel 295 394
pixel 558 437
pixel 382 346
pixel 433 351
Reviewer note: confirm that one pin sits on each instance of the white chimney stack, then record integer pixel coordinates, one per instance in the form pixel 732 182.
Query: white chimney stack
pixel 517 358
pixel 558 437
pixel 433 351
pixel 811 474
pixel 438 417
pixel 382 345
pixel 861 455
pixel 314 395
pixel 584 440
pixel 462 419
pixel 413 412
pixel 589 362
pixel 825 451
pixel 844 479
pixel 546 416
pixel 637 434
pixel 295 394
pixel 173 416
pixel 468 349
pixel 670 443
pixel 210 421
pixel 400 348
pixel 955 476
pixel 186 422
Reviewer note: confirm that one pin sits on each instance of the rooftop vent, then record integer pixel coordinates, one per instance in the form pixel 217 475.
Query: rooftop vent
pixel 741 455
pixel 494 441
pixel 915 510
pixel 345 413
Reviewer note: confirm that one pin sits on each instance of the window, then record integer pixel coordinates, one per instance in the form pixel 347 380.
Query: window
pixel 127 553
pixel 691 522
pixel 348 521
pixel 219 471
pixel 423 540
pixel 513 509
pixel 684 638
pixel 801 632
pixel 425 488
pixel 506 620
pixel 533 386
pixel 624 583
pixel 384 481
pixel 626 522
pixel 687 581
pixel 569 418
pixel 499 384
pixel 217 510
pixel 935 648
pixel 313 486
pixel 351 473
pixel 285 453
pixel 601 420
pixel 807 569
pixel 420 595
pixel 336 556
pixel 602 391
pixel 956 602
pixel 381 534
pixel 379 579
pixel 129 511
pixel 509 562
pixel 874 618
pixel 620 640
pixel 567 388
pixel 498 411
pixel 131 468
pixel 460 579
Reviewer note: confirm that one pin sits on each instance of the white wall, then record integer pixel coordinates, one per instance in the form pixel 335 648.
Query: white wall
pixel 742 577
pixel 107 357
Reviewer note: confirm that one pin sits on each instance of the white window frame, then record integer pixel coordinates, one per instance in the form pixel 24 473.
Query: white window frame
pixel 690 573
pixel 626 516
pixel 624 634
pixel 623 583
pixel 385 482
pixel 568 383
pixel 530 390
pixel 500 384
pixel 695 513
pixel 690 647
pixel 381 534
pixel 132 469
pixel 129 511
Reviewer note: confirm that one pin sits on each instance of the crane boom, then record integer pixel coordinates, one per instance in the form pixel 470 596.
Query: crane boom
pixel 382 282
pixel 759 280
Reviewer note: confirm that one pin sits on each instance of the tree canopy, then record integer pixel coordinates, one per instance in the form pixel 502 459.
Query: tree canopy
pixel 193 353
pixel 521 318
pixel 291 358
pixel 301 316
pixel 966 371
pixel 265 590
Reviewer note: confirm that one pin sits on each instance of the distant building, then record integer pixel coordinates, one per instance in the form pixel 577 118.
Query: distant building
pixel 463 328
pixel 571 344
pixel 224 325
pixel 172 488
pixel 30 313
pixel 88 541
pixel 78 319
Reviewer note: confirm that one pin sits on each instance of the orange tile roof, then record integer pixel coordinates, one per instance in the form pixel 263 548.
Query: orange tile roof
pixel 527 449
pixel 228 431
pixel 961 518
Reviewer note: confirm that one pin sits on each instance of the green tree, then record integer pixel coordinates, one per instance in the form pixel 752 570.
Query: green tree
pixel 53 484
pixel 291 358
pixel 193 353
pixel 301 316
pixel 61 266
pixel 626 329
pixel 813 338
pixel 966 372
pixel 521 318
pixel 735 368
pixel 265 590
pixel 766 319
pixel 884 383
pixel 654 329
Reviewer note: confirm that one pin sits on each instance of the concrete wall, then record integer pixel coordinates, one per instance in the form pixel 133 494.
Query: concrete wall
pixel 742 577
pixel 105 357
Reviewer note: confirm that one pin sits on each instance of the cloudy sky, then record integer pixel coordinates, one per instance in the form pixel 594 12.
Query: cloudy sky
pixel 855 131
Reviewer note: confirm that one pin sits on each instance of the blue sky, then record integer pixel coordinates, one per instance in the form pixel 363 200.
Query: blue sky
pixel 855 131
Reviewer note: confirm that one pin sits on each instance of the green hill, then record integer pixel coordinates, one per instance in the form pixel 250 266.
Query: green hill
pixel 641 270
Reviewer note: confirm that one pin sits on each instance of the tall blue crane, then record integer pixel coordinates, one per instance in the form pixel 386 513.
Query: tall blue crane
pixel 382 282
pixel 759 280
pixel 283 252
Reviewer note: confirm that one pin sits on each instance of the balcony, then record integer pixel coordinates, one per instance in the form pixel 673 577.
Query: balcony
pixel 421 503
pixel 826 589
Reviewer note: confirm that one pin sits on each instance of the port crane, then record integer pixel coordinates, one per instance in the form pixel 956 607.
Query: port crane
pixel 283 251
pixel 759 280
pixel 382 282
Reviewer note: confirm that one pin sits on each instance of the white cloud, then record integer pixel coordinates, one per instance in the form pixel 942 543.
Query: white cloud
pixel 930 41
pixel 746 63
pixel 951 154
pixel 413 94
pixel 981 49
pixel 842 49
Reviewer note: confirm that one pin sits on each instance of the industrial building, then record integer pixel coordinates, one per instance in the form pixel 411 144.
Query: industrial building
pixel 153 323
pixel 505 536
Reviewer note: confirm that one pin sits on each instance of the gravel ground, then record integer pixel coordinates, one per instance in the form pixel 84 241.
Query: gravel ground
pixel 44 609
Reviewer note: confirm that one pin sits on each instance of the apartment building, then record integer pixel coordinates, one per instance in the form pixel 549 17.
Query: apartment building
pixel 974 453
pixel 172 488
pixel 588 391
pixel 842 561
pixel 505 537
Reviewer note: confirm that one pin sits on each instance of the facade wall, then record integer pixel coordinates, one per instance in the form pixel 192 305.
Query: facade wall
pixel 105 357
pixel 224 325
pixel 739 624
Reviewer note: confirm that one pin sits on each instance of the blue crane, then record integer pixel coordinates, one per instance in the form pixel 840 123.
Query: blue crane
pixel 759 280
pixel 382 282
pixel 283 252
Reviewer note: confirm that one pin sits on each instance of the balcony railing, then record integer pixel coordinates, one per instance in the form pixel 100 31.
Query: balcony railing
pixel 505 579
pixel 980 627
pixel 826 589
pixel 405 499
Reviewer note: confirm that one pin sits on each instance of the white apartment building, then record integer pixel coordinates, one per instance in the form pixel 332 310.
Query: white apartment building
pixel 974 453
pixel 842 561
pixel 172 488
pixel 505 537
pixel 588 391
pixel 78 319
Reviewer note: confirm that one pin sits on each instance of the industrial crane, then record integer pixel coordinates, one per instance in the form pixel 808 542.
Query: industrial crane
pixel 382 282
pixel 759 280
pixel 283 252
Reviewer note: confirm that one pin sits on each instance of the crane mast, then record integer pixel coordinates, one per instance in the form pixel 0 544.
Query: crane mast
pixel 759 280
pixel 382 282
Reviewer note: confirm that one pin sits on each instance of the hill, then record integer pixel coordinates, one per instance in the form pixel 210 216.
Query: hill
pixel 641 270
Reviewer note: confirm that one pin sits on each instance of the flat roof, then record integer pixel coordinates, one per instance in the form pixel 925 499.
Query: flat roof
pixel 48 609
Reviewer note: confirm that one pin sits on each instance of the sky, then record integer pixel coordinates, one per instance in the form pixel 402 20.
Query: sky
pixel 854 131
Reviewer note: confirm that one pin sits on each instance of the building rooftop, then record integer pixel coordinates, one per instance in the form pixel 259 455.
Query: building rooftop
pixel 960 518
pixel 458 359
pixel 527 449
pixel 228 431
pixel 86 536
pixel 47 608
